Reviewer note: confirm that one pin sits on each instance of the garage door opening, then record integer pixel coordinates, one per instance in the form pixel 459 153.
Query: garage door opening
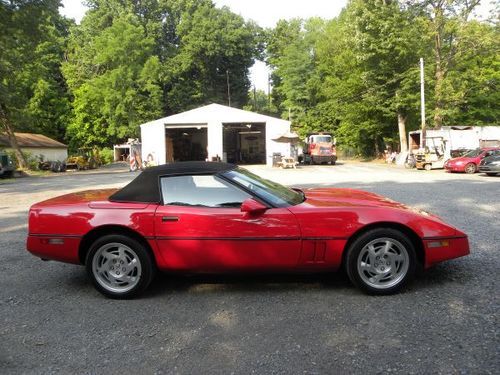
pixel 186 144
pixel 244 143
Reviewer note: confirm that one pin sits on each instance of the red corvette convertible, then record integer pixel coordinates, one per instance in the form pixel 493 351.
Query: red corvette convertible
pixel 217 217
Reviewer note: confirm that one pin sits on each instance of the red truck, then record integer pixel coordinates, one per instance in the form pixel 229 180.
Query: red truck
pixel 318 149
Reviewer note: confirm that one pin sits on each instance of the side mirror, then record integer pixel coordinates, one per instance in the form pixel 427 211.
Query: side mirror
pixel 251 206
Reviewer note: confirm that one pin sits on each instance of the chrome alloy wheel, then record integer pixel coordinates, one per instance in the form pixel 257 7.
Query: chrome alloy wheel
pixel 383 263
pixel 116 267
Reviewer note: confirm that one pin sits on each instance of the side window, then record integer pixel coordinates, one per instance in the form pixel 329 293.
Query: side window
pixel 203 191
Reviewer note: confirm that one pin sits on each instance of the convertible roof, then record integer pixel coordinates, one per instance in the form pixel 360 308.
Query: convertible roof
pixel 146 187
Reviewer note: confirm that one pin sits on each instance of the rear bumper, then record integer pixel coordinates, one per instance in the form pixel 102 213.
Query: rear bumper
pixel 445 248
pixel 54 247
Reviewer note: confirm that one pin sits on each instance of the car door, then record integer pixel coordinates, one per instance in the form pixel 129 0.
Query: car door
pixel 200 227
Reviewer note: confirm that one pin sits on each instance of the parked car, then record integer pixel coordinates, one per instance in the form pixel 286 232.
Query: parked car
pixel 470 161
pixel 212 217
pixel 6 165
pixel 490 165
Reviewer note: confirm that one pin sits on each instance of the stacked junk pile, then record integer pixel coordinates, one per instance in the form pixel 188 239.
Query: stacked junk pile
pixel 441 145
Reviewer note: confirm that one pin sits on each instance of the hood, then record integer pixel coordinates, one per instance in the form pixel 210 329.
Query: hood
pixel 462 159
pixel 329 197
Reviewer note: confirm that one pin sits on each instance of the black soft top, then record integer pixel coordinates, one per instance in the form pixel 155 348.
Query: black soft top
pixel 145 188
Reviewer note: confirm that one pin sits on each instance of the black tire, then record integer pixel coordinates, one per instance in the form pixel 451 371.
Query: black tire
pixel 428 167
pixel 470 168
pixel 143 266
pixel 401 246
pixel 491 174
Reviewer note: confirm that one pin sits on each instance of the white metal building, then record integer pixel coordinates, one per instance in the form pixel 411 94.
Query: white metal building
pixel 37 146
pixel 214 132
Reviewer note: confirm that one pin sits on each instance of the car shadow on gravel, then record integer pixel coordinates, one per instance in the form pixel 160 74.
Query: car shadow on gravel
pixel 166 283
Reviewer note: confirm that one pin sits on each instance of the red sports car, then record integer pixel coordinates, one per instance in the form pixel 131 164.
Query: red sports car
pixel 470 161
pixel 217 217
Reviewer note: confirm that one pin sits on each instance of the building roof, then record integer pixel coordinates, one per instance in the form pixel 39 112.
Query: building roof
pixel 215 113
pixel 31 140
pixel 145 188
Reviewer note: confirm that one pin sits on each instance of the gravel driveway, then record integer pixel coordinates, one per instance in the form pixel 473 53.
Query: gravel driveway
pixel 53 321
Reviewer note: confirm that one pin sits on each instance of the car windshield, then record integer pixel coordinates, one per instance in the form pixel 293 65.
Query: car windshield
pixel 276 194
pixel 473 153
pixel 322 138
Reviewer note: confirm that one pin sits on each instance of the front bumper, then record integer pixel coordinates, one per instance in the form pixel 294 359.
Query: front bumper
pixel 324 158
pixel 454 168
pixel 489 168
pixel 445 248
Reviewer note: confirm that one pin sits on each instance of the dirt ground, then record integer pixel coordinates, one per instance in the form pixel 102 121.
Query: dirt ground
pixel 446 321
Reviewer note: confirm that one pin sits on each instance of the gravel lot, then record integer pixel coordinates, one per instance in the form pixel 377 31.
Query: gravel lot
pixel 53 321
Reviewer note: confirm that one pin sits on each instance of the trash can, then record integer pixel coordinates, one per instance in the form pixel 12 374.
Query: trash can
pixel 276 159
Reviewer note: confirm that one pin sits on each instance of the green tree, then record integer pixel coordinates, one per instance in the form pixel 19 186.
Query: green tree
pixel 291 53
pixel 215 50
pixel 130 62
pixel 33 95
pixel 259 101
pixel 444 21
pixel 471 84
pixel 114 79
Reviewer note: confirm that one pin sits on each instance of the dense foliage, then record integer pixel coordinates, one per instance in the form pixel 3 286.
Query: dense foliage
pixel 131 62
pixel 356 75
pixel 33 95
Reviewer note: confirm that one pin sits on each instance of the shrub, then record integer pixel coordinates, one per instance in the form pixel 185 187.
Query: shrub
pixel 107 155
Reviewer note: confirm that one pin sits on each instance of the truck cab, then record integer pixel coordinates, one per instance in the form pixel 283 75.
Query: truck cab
pixel 319 149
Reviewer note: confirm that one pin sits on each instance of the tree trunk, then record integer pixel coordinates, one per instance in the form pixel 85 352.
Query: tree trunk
pixel 402 132
pixel 440 72
pixel 7 127
pixel 438 94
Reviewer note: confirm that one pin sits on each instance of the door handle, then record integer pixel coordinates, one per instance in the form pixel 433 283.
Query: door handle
pixel 169 218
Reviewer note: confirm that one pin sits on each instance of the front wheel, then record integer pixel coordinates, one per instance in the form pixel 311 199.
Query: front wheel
pixel 381 261
pixel 119 266
pixel 470 168
pixel 491 174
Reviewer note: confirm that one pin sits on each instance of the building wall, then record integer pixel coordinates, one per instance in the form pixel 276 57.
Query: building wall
pixel 215 140
pixel 153 142
pixel 274 129
pixel 48 154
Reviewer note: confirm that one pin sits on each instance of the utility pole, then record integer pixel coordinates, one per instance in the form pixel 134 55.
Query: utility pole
pixel 228 88
pixel 422 104
pixel 269 89
pixel 255 99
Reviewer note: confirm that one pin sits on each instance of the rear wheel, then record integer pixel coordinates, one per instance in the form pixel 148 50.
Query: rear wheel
pixel 381 261
pixel 120 267
pixel 470 168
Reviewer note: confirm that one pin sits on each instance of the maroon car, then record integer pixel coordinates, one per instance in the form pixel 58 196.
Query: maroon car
pixel 470 161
